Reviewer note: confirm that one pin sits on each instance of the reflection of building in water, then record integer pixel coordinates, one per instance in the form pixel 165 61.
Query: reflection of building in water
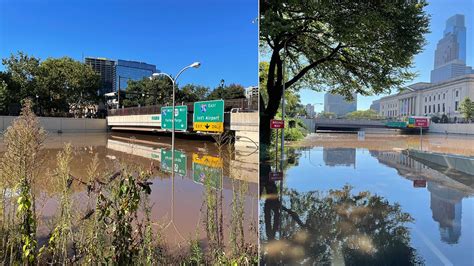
pixel 445 191
pixel 446 206
pixel 339 156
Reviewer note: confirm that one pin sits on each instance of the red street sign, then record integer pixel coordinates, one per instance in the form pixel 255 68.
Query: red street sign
pixel 275 176
pixel 419 183
pixel 421 122
pixel 277 124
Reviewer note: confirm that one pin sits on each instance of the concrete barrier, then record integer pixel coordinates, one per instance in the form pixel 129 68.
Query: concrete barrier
pixel 460 163
pixel 467 129
pixel 66 125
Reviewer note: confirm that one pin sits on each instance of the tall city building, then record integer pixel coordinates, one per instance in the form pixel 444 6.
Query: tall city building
pixel 450 53
pixel 131 70
pixel 106 69
pixel 310 110
pixel 251 93
pixel 337 104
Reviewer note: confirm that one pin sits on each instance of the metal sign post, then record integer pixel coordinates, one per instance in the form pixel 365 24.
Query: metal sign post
pixel 421 122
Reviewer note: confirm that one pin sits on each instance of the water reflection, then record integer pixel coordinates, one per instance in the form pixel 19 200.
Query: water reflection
pixel 339 156
pixel 178 205
pixel 339 202
pixel 338 227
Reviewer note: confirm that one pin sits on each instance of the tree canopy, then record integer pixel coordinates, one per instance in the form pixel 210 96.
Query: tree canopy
pixel 363 47
pixel 364 114
pixel 467 109
pixel 55 85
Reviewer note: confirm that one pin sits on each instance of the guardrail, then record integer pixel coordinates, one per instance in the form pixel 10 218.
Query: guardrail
pixel 242 103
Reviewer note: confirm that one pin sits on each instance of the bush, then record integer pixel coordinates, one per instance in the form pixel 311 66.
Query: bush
pixel 293 134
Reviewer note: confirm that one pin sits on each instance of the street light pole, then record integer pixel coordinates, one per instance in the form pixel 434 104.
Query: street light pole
pixel 173 82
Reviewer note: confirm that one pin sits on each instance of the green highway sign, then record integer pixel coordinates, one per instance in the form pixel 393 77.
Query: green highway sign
pixel 180 117
pixel 180 161
pixel 209 116
pixel 201 173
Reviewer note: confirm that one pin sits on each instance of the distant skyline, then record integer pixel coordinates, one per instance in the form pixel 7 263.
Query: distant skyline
pixel 440 11
pixel 222 35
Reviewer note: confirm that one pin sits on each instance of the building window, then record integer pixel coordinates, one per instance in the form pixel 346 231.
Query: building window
pixel 444 96
pixel 430 98
pixel 426 99
pixel 434 108
pixel 425 109
pixel 439 96
pixel 429 109
pixel 444 110
pixel 457 93
pixel 456 105
pixel 439 109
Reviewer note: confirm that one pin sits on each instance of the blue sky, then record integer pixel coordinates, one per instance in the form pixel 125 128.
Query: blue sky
pixel 440 11
pixel 170 34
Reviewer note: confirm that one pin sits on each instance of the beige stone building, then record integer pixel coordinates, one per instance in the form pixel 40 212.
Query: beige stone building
pixel 428 99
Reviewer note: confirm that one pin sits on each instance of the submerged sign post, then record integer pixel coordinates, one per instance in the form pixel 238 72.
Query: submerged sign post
pixel 276 124
pixel 180 117
pixel 209 116
pixel 421 122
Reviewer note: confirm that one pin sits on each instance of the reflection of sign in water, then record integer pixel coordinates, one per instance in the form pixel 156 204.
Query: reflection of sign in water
pixel 276 176
pixel 207 160
pixel 180 161
pixel 209 116
pixel 180 117
pixel 419 183
pixel 207 168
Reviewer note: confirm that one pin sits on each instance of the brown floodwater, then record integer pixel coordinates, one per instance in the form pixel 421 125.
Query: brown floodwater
pixel 178 203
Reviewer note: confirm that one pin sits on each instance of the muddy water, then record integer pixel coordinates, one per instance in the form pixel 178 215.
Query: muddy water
pixel 347 200
pixel 177 202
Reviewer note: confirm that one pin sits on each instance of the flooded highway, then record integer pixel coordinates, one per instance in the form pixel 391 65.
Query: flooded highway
pixel 180 207
pixel 346 200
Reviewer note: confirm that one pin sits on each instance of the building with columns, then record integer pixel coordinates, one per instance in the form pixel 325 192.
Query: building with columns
pixel 428 99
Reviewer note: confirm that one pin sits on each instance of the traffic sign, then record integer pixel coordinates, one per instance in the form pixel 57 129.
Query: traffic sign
pixel 180 117
pixel 180 161
pixel 421 122
pixel 277 124
pixel 201 173
pixel 209 116
pixel 419 183
pixel 207 160
pixel 275 176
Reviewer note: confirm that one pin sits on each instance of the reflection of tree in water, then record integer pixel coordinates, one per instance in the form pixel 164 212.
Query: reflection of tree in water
pixel 337 227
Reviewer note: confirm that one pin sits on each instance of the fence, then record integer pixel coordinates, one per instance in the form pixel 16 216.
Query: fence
pixel 242 103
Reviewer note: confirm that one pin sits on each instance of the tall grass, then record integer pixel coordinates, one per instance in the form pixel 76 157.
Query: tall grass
pixel 115 226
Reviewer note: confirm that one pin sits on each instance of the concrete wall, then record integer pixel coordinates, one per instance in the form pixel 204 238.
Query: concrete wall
pixel 452 128
pixel 135 120
pixel 460 163
pixel 66 125
pixel 246 129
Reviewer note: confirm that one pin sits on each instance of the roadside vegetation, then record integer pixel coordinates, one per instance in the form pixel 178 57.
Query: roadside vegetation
pixel 111 223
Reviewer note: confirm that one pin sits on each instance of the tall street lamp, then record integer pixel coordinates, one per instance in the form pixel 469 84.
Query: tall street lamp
pixel 173 81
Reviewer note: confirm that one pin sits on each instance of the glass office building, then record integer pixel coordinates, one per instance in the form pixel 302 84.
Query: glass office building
pixel 131 70
pixel 450 54
pixel 105 68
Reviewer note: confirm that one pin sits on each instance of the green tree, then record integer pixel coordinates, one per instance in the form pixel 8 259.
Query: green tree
pixel 327 115
pixel 467 109
pixel 147 92
pixel 20 76
pixel 66 85
pixel 233 91
pixel 193 93
pixel 364 114
pixel 362 47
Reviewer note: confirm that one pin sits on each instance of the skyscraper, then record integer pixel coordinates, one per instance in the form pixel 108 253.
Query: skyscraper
pixel 450 54
pixel 105 68
pixel 337 104
pixel 310 110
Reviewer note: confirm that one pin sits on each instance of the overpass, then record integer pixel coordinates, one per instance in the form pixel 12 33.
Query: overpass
pixel 238 116
pixel 341 124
